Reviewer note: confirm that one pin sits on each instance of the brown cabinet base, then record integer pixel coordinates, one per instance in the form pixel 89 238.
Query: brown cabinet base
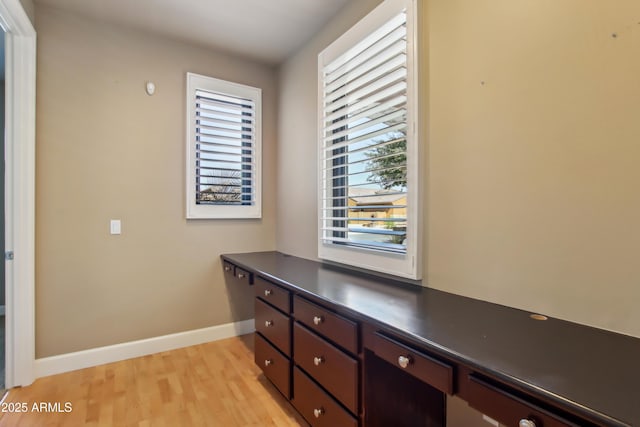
pixel 471 349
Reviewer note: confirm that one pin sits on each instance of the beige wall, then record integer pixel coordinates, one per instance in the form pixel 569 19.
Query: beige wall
pixel 533 198
pixel 533 154
pixel 107 150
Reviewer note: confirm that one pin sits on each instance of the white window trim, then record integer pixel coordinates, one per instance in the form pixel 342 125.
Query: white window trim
pixel 193 210
pixel 403 265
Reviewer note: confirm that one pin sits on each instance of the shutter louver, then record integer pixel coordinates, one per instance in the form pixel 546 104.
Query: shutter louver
pixel 224 149
pixel 364 142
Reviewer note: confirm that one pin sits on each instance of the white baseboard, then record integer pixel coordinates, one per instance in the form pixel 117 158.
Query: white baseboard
pixel 113 353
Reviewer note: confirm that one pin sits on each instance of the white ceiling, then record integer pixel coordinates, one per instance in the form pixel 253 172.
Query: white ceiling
pixel 266 30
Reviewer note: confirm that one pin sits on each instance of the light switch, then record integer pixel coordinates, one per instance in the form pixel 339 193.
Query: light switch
pixel 115 226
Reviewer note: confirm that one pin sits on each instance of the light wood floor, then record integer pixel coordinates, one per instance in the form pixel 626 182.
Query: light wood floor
pixel 213 384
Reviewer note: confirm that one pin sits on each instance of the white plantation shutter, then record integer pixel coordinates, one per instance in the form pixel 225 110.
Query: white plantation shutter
pixel 368 149
pixel 364 141
pixel 223 149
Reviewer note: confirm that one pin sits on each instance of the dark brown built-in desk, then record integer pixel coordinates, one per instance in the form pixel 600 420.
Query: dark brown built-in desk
pixel 588 375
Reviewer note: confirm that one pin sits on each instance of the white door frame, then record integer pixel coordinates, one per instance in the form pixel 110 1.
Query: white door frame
pixel 20 111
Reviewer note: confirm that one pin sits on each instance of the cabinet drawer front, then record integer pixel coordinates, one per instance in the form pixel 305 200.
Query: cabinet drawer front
pixel 338 329
pixel 244 276
pixel 507 408
pixel 328 365
pixel 273 294
pixel 228 268
pixel 316 406
pixel 420 365
pixel 275 366
pixel 274 326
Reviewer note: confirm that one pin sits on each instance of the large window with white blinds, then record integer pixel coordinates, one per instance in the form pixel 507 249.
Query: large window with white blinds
pixel 223 149
pixel 368 146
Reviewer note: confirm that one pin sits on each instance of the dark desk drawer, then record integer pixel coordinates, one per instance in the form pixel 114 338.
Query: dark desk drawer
pixel 316 406
pixel 508 408
pixel 244 276
pixel 420 365
pixel 274 326
pixel 328 365
pixel 275 366
pixel 273 294
pixel 229 269
pixel 239 274
pixel 336 328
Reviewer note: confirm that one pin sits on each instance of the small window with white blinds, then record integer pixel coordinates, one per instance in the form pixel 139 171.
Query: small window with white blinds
pixel 368 148
pixel 223 149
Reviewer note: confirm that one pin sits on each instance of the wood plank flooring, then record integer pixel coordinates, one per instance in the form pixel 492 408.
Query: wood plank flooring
pixel 213 384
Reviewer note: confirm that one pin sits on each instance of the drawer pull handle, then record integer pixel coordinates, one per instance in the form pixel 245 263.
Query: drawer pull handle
pixel 404 361
pixel 317 320
pixel 318 412
pixel 267 292
pixel 318 360
pixel 268 323
pixel 268 362
pixel 241 276
pixel 526 423
pixel 227 268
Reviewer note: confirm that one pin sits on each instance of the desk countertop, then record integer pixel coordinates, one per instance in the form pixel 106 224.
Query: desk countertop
pixel 589 371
